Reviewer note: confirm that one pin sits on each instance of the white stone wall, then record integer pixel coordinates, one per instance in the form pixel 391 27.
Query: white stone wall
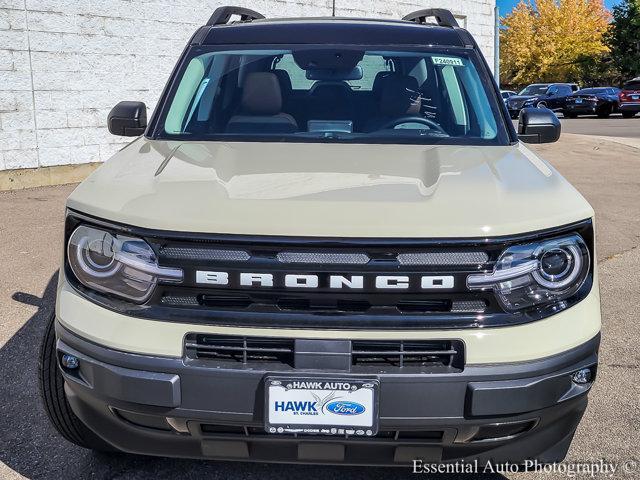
pixel 65 63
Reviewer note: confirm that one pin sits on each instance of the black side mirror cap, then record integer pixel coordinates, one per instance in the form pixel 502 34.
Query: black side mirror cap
pixel 538 125
pixel 128 119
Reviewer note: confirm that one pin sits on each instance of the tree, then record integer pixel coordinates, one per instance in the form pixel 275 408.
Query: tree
pixel 624 38
pixel 548 41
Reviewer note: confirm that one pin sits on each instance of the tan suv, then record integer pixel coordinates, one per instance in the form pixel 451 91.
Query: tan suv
pixel 328 245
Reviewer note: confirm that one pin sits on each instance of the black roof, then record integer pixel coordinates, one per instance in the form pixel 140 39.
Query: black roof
pixel 332 30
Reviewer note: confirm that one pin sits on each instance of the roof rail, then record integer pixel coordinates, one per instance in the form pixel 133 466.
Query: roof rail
pixel 443 17
pixel 221 15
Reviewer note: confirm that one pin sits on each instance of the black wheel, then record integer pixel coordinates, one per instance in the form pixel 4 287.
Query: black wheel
pixel 55 401
pixel 628 114
pixel 569 115
pixel 604 112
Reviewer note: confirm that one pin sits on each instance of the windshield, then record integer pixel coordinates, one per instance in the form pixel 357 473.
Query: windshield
pixel 534 90
pixel 318 93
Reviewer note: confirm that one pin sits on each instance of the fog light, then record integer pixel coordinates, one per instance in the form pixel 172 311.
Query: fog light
pixel 69 361
pixel 581 376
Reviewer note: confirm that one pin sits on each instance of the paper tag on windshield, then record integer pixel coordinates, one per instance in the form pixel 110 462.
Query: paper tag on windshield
pixel 453 61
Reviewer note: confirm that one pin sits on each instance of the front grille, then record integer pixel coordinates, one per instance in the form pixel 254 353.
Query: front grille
pixel 203 253
pixel 242 350
pixel 322 258
pixel 407 353
pixel 443 356
pixel 323 303
pixel 407 436
pixel 260 282
pixel 443 258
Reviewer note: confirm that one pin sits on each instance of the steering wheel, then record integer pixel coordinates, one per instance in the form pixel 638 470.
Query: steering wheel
pixel 424 121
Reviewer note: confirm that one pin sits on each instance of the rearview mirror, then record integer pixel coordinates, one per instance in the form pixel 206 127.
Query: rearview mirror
pixel 335 75
pixel 538 125
pixel 128 119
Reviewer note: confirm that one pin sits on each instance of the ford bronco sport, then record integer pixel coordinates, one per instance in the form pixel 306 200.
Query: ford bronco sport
pixel 328 245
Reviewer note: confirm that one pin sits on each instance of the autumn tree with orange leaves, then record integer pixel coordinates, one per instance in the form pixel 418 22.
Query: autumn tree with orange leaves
pixel 548 41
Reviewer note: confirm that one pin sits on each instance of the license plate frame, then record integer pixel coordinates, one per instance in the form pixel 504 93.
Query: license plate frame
pixel 335 408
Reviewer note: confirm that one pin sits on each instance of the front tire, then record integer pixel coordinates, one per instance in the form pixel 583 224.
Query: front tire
pixel 55 401
pixel 605 112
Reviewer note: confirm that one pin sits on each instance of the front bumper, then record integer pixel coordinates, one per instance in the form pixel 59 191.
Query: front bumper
pixel 506 412
pixel 583 108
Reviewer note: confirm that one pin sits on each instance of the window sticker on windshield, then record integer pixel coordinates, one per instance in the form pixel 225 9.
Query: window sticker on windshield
pixel 456 62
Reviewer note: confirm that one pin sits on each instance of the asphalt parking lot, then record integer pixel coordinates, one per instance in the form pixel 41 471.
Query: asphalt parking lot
pixel 606 172
pixel 614 126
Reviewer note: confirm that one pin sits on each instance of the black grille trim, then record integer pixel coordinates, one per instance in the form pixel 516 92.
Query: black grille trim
pixel 435 437
pixel 437 356
pixel 243 350
pixel 319 303
pixel 403 353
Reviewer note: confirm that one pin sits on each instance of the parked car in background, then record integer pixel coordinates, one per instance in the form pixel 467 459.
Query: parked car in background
pixel 629 98
pixel 506 94
pixel 600 101
pixel 549 95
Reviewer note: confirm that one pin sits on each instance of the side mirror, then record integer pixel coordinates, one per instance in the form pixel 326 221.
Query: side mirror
pixel 538 125
pixel 128 119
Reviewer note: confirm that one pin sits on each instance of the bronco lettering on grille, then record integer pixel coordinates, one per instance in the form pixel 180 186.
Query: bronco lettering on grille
pixel 354 282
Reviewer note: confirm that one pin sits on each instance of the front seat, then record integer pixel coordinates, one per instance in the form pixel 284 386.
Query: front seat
pixel 330 100
pixel 261 107
pixel 399 98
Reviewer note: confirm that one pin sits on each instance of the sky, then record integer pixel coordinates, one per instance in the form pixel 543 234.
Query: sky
pixel 507 5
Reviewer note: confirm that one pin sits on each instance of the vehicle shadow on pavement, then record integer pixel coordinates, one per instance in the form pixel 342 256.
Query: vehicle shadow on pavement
pixel 31 447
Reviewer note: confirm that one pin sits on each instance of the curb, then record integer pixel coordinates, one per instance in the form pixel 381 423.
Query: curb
pixel 45 176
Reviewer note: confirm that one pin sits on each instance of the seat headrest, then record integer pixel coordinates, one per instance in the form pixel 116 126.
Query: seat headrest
pixel 379 82
pixel 329 88
pixel 285 80
pixel 400 96
pixel 261 94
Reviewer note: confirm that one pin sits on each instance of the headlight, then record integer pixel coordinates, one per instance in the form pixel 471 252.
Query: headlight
pixel 536 273
pixel 116 264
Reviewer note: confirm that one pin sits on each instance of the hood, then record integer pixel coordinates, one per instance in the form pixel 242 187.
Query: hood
pixel 523 97
pixel 330 190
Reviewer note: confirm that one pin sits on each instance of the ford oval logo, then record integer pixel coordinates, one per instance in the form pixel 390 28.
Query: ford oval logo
pixel 345 408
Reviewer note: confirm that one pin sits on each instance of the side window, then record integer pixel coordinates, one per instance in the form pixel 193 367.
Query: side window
pixel 371 65
pixel 298 76
pixel 455 95
pixel 552 90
